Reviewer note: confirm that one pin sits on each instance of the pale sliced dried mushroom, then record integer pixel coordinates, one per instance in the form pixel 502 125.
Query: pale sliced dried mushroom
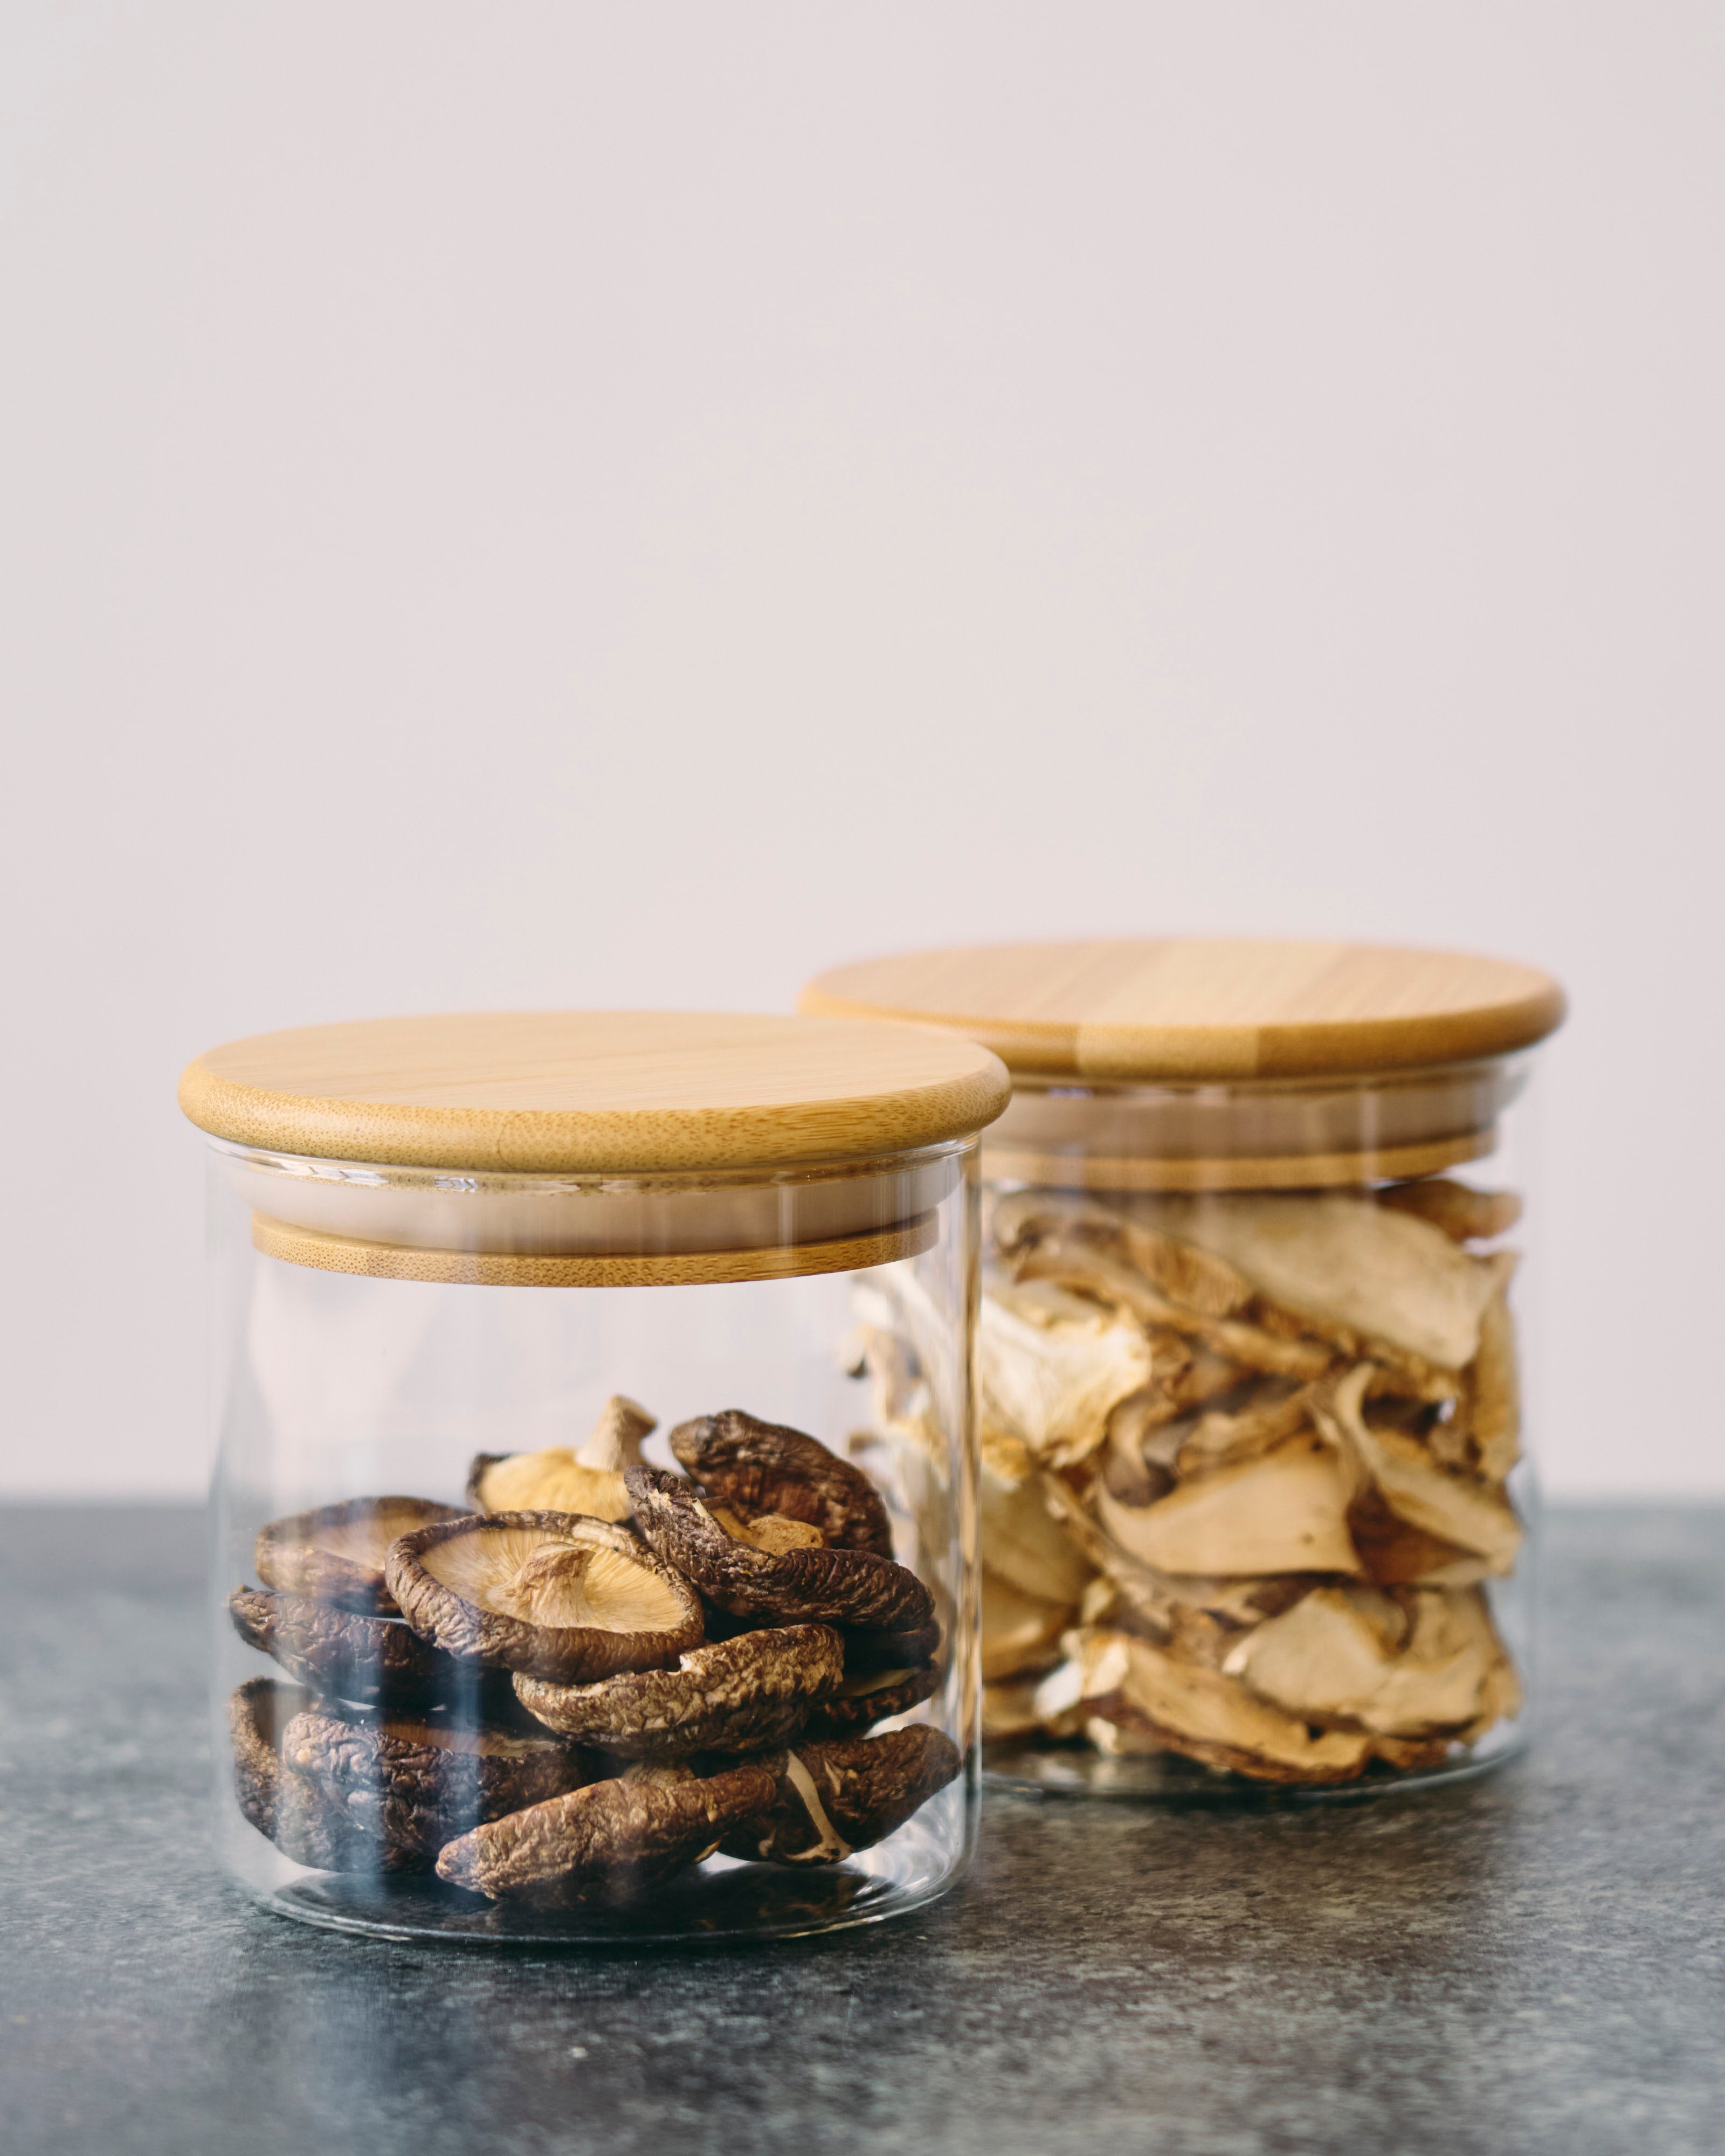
pixel 753 1467
pixel 414 1785
pixel 1020 1631
pixel 1456 1510
pixel 1384 1273
pixel 609 1843
pixel 844 1587
pixel 1053 1384
pixel 1083 1269
pixel 1026 1546
pixel 284 1806
pixel 615 1440
pixel 551 1593
pixel 834 1798
pixel 1495 1396
pixel 1165 1704
pixel 1464 1214
pixel 341 1654
pixel 743 1695
pixel 336 1553
pixel 1285 1511
pixel 1358 1654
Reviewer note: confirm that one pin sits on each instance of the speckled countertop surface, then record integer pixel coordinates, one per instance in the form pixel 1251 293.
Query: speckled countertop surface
pixel 1533 1962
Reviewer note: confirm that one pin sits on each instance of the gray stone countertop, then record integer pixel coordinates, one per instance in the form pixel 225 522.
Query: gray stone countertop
pixel 1533 1962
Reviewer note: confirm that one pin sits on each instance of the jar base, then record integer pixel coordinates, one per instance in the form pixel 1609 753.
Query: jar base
pixel 722 1902
pixel 1164 1777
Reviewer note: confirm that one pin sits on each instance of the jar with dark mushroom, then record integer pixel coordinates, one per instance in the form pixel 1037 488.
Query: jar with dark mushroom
pixel 1258 1256
pixel 563 1594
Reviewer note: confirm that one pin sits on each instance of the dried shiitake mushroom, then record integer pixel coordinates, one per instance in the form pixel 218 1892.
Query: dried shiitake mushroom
pixel 872 1696
pixel 752 1467
pixel 346 1655
pixel 283 1805
pixel 832 1798
pixel 416 1784
pixel 556 1479
pixel 336 1553
pixel 742 1695
pixel 610 1842
pixel 550 1594
pixel 845 1587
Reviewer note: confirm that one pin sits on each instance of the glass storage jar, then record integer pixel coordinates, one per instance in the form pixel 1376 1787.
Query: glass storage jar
pixel 1255 1499
pixel 558 1597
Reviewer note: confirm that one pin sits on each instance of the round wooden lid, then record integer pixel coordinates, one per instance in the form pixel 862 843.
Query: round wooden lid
pixel 627 1092
pixel 1202 1010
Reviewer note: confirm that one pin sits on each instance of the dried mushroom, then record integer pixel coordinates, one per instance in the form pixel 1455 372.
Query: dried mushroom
pixel 1155 1700
pixel 557 1478
pixel 1050 1372
pixel 743 1695
pixel 1422 1665
pixel 795 1586
pixel 283 1805
pixel 872 1696
pixel 609 1843
pixel 1464 1214
pixel 346 1655
pixel 830 1800
pixel 336 1553
pixel 548 1593
pixel 413 1785
pixel 1290 1508
pixel 1020 1631
pixel 1381 1272
pixel 755 1468
pixel 1284 1511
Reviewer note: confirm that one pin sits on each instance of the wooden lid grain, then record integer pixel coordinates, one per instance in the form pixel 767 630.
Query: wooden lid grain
pixel 1202 1010
pixel 624 1091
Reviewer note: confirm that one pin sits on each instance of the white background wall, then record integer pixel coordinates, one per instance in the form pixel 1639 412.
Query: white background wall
pixel 548 503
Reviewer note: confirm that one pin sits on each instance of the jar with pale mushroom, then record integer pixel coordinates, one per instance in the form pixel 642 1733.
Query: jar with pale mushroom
pixel 560 1597
pixel 1256 1499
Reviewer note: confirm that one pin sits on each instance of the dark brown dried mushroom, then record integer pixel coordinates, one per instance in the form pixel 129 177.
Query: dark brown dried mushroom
pixel 743 1695
pixel 336 1553
pixel 610 1842
pixel 907 1649
pixel 551 1593
pixel 872 1696
pixel 815 1585
pixel 414 1785
pixel 341 1655
pixel 763 1467
pixel 284 1806
pixel 832 1798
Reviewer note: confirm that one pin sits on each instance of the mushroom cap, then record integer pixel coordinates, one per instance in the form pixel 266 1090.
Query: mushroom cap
pixel 746 1694
pixel 550 1481
pixel 552 1593
pixel 283 1805
pixel 863 1789
pixel 755 1467
pixel 610 1842
pixel 794 1586
pixel 372 1660
pixel 334 1553
pixel 872 1696
pixel 415 1784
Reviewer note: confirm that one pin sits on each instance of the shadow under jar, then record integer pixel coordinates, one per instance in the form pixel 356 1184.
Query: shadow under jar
pixel 1255 1502
pixel 557 1596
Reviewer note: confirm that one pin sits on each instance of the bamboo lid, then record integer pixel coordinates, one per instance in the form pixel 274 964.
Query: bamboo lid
pixel 1202 1010
pixel 628 1092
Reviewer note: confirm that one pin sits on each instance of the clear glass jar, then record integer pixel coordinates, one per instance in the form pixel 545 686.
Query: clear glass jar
pixel 561 1594
pixel 1256 1504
